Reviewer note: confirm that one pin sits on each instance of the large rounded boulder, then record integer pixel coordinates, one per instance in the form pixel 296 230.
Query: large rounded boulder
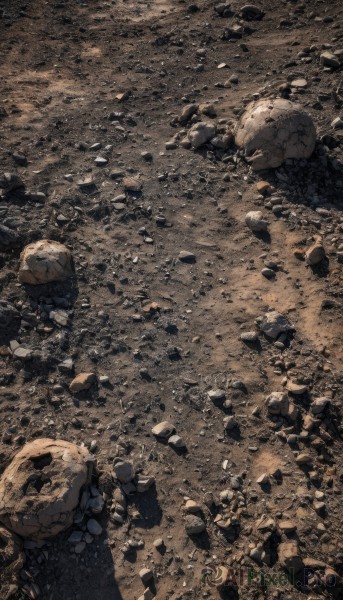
pixel 40 489
pixel 270 131
pixel 45 261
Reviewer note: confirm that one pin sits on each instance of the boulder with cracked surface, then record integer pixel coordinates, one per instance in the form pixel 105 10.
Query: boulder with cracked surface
pixel 40 489
pixel 45 261
pixel 272 130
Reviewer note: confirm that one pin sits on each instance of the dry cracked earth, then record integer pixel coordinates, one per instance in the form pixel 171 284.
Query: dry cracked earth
pixel 167 281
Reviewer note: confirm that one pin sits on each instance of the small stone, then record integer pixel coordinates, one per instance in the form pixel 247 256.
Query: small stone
pixel 79 548
pixel 304 459
pixel 287 526
pixel 94 527
pixel 176 442
pixel 263 479
pixel 278 403
pixel 249 336
pixel 187 257
pixel 144 483
pixel 289 556
pixel 315 254
pixel 319 405
pixel 131 184
pixel 273 324
pixel 75 537
pixel 268 273
pixel 124 471
pixel 194 525
pixel 159 544
pixel 163 429
pixel 255 222
pixel 192 507
pixel 328 59
pixel 216 395
pixel 295 388
pixel 230 423
pixel 201 133
pixel 337 123
pixel 263 187
pixel 299 83
pixel 83 381
pixel 146 575
pixel 100 161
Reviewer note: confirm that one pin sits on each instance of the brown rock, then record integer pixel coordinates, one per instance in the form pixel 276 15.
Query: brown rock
pixel 289 556
pixel 82 382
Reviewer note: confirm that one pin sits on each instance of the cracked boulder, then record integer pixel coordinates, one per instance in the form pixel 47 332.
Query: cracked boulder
pixel 271 131
pixel 40 489
pixel 11 561
pixel 45 261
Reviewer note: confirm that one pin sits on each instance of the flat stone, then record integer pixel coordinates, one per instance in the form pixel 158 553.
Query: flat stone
pixel 315 254
pixel 163 429
pixel 176 441
pixel 216 395
pixel 295 388
pixel 83 381
pixel 187 257
pixel 328 59
pixel 249 336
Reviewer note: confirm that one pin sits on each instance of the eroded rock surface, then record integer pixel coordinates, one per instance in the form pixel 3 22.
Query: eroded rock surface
pixel 43 262
pixel 270 131
pixel 40 489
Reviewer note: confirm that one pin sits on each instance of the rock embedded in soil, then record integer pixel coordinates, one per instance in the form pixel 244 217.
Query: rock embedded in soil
pixel 163 429
pixel 124 471
pixel 255 221
pixel 45 261
pixel 82 382
pixel 290 557
pixel 194 525
pixel 201 133
pixel 315 254
pixel 39 490
pixel 273 324
pixel 272 130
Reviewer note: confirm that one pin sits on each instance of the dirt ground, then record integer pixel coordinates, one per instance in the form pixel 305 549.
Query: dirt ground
pixel 74 74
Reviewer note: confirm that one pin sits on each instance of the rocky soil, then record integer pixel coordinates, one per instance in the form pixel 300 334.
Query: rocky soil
pixel 194 345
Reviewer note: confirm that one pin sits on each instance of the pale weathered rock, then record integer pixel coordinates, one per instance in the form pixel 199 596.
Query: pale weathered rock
pixel 43 262
pixel 315 254
pixel 82 382
pixel 163 429
pixel 278 403
pixel 319 405
pixel 270 131
pixel 255 221
pixel 40 489
pixel 328 59
pixel 289 556
pixel 201 133
pixel 273 323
